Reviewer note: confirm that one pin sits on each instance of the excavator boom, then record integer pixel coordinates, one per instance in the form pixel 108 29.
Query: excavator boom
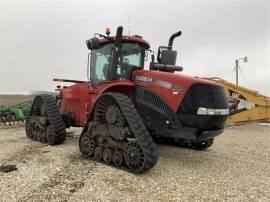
pixel 246 105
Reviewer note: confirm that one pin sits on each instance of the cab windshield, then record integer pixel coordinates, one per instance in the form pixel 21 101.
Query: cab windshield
pixel 132 56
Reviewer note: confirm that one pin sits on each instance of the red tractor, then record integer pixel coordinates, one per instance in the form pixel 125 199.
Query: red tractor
pixel 123 107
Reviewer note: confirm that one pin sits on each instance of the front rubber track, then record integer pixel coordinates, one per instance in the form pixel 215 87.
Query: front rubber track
pixel 137 127
pixel 55 120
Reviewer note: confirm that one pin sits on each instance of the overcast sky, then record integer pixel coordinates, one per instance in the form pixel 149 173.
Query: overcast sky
pixel 43 39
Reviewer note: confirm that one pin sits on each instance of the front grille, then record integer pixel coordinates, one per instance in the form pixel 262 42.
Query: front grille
pixel 149 97
pixel 207 96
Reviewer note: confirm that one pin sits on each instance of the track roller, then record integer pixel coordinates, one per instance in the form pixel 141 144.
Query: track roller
pixel 107 155
pixel 117 158
pixel 98 153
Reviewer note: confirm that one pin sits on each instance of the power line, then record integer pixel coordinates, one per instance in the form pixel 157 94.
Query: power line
pixel 244 77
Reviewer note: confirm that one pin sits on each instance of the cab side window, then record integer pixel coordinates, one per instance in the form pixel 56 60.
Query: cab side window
pixel 100 61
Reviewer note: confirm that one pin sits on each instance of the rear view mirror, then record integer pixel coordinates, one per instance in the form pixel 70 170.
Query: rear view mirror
pixel 92 43
pixel 168 57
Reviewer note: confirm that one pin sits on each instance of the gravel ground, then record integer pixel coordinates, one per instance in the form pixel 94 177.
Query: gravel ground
pixel 235 168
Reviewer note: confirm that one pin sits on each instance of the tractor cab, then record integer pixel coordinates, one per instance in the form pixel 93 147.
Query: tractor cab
pixel 115 58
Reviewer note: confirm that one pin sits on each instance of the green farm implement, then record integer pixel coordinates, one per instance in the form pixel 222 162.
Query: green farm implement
pixel 15 114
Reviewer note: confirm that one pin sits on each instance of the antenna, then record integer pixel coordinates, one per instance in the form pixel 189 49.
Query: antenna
pixel 128 25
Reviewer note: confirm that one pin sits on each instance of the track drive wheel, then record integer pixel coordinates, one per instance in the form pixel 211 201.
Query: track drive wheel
pixel 87 145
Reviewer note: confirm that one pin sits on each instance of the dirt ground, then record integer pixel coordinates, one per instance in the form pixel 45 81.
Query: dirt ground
pixel 13 99
pixel 235 168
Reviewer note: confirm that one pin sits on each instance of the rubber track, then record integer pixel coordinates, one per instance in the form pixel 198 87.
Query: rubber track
pixel 54 117
pixel 138 129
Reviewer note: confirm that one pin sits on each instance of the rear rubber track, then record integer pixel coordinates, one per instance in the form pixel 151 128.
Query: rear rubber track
pixel 56 130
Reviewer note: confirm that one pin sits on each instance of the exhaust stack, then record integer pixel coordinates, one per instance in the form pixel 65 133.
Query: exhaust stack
pixel 170 44
pixel 116 54
pixel 166 57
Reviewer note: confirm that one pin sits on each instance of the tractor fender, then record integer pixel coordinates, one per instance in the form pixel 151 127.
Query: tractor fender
pixel 124 87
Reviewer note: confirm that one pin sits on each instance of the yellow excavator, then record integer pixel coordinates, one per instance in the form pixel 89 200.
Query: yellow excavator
pixel 246 105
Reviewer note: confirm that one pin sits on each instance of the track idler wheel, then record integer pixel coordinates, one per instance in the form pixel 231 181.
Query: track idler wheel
pixel 134 156
pixel 87 145
pixel 3 119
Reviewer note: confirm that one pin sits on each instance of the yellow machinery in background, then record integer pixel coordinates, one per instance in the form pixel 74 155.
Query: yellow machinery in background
pixel 246 105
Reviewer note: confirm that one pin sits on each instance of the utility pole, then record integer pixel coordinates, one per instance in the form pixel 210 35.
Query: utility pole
pixel 236 71
pixel 245 60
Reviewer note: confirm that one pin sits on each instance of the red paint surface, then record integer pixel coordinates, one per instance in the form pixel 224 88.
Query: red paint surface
pixel 80 99
pixel 182 80
pixel 132 39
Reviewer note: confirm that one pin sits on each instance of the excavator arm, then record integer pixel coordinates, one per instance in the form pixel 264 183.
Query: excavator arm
pixel 246 105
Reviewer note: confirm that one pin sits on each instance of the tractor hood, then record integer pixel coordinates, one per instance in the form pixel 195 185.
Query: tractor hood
pixel 171 87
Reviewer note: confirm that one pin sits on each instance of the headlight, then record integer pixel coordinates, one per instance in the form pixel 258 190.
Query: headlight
pixel 206 111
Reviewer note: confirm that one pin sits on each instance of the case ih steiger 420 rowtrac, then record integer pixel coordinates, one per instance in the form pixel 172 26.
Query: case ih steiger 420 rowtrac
pixel 123 107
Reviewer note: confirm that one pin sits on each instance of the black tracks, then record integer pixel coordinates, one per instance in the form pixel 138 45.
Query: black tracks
pixel 55 128
pixel 138 129
pixel 141 134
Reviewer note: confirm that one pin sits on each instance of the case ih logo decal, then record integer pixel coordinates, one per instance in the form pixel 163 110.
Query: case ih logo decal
pixel 144 78
pixel 175 88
